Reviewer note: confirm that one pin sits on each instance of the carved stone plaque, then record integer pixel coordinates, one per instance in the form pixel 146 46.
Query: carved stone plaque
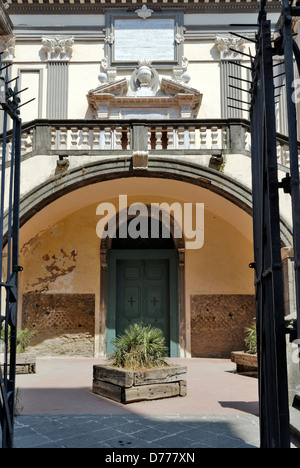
pixel 138 39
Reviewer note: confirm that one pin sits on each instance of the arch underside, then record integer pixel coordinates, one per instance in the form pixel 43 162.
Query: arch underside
pixel 158 168
pixel 81 188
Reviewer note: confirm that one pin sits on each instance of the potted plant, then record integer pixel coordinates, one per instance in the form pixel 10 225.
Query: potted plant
pixel 246 361
pixel 138 370
pixel 25 362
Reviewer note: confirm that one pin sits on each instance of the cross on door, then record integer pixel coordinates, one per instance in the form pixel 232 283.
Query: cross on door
pixel 131 301
pixel 154 301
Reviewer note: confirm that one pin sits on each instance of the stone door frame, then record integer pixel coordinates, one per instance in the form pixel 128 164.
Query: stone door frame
pixel 105 247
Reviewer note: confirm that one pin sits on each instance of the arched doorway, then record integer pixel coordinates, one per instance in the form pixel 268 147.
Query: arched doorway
pixel 142 282
pixel 218 272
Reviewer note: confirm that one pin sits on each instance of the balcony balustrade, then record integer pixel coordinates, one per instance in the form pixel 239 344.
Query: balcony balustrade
pixel 70 138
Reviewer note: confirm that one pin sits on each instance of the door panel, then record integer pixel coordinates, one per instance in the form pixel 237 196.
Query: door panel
pixel 143 295
pixel 132 302
pixel 154 272
pixel 132 272
pixel 155 301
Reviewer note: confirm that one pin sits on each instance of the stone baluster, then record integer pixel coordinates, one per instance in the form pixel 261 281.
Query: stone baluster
pixel 85 138
pixel 53 138
pixel 181 137
pixel 149 144
pixel 170 136
pixel 279 152
pixel 214 137
pixel 96 138
pixel 8 150
pixel 158 138
pixel 192 136
pixel 107 138
pixel 63 138
pixel 224 138
pixel 74 137
pixel 118 138
pixel 203 136
pixel 286 155
pixel 23 142
pixel 247 141
pixel 29 141
pixel 128 138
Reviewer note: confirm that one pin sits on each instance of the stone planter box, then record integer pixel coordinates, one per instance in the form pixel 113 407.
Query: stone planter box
pixel 245 363
pixel 25 363
pixel 126 386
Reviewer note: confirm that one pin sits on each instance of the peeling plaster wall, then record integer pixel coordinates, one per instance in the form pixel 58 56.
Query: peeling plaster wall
pixel 62 271
pixel 60 284
pixel 64 254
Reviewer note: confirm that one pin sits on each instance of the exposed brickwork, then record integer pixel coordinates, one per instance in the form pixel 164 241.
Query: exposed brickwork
pixel 218 323
pixel 63 323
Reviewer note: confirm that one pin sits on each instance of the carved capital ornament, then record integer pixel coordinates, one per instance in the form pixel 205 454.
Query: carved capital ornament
pixel 58 48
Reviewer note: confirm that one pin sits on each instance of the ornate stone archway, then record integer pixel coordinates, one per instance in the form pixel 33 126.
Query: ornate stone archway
pixel 49 196
pixel 179 244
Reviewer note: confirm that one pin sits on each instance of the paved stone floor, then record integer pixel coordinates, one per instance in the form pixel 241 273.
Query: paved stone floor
pixel 59 410
pixel 135 431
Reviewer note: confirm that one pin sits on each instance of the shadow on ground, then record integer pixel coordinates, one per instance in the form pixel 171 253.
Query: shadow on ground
pixel 250 407
pixel 132 431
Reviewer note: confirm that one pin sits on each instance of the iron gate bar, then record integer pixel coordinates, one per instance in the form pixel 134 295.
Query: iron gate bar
pixel 10 102
pixel 291 50
pixel 272 365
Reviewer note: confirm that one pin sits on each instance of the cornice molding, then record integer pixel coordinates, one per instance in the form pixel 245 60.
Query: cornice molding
pixel 102 6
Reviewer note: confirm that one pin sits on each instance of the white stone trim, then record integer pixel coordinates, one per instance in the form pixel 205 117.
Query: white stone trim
pixel 7 47
pixel 58 48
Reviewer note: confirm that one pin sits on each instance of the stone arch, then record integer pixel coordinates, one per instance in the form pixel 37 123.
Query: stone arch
pixel 114 170
pixel 169 168
pixel 179 245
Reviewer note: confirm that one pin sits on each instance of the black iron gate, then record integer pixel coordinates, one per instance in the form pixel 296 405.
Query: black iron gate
pixel 9 246
pixel 271 330
pixel 273 382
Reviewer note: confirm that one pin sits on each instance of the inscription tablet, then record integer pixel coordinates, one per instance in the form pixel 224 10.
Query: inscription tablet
pixel 137 39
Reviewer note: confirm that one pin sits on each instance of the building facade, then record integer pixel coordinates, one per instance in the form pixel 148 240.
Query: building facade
pixel 137 127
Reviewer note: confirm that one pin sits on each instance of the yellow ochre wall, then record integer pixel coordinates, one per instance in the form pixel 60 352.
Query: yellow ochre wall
pixel 60 284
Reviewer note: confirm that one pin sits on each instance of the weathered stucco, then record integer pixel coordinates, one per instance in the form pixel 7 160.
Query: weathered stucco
pixel 66 253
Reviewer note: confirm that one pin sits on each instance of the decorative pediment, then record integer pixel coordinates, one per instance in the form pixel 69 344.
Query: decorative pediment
pixel 144 97
pixel 116 88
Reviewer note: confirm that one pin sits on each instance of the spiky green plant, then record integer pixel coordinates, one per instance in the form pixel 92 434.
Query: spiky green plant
pixel 139 347
pixel 23 338
pixel 251 339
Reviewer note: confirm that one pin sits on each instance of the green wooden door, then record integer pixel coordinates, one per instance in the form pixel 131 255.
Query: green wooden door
pixel 143 294
pixel 143 288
